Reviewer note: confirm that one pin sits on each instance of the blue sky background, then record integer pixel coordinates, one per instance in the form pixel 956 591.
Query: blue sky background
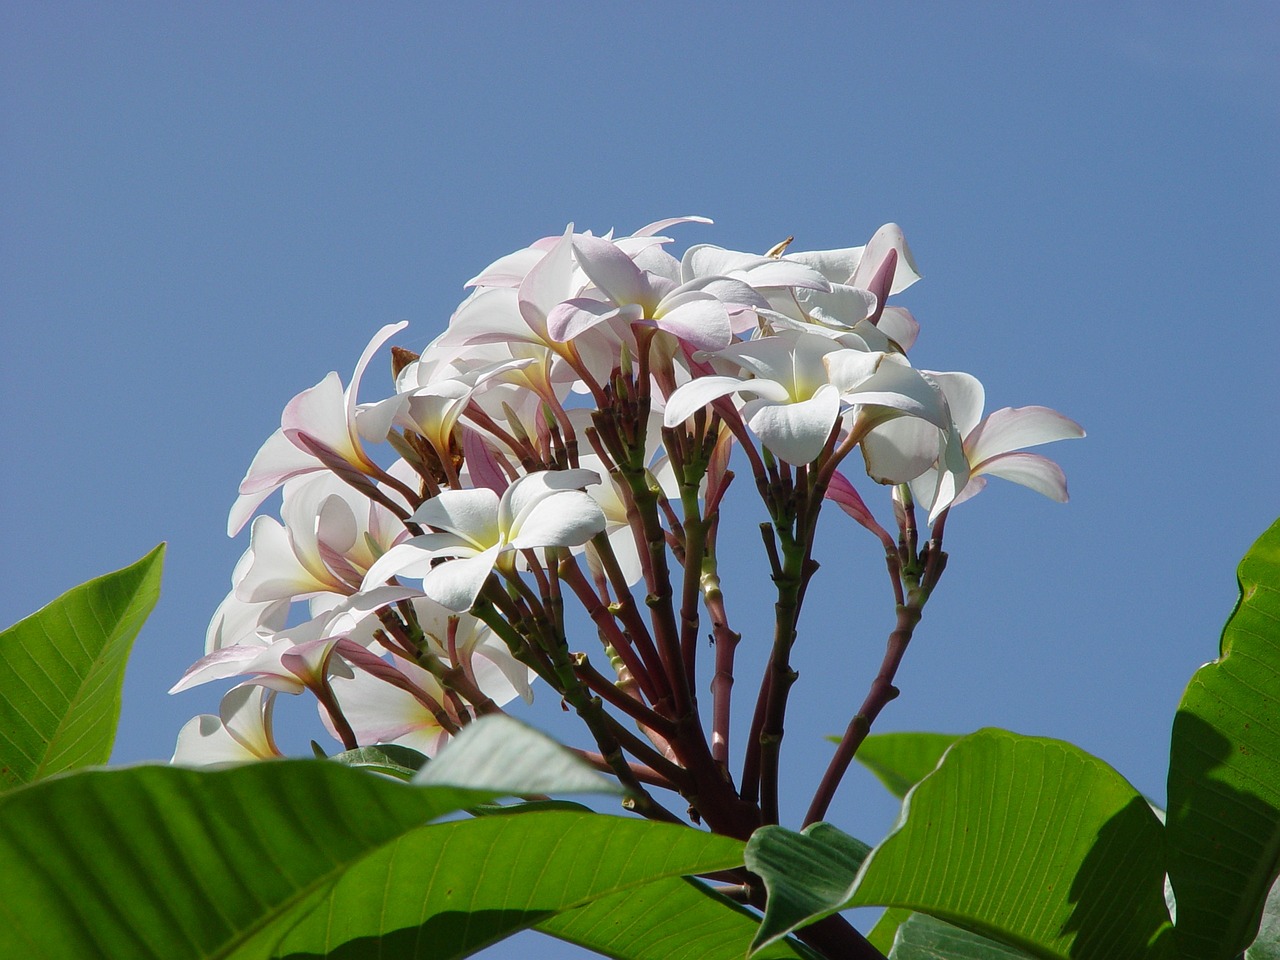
pixel 205 208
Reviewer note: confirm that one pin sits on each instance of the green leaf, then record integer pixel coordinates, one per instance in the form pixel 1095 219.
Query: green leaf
pixel 668 920
pixel 170 863
pixel 901 760
pixel 922 937
pixel 886 928
pixel 1033 842
pixel 1267 944
pixel 1224 772
pixel 502 754
pixel 61 671
pixel 808 875
pixel 389 758
pixel 446 890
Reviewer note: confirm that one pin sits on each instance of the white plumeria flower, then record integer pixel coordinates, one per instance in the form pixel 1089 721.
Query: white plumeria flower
pixel 324 415
pixel 330 537
pixel 241 731
pixel 991 446
pixel 379 712
pixel 798 382
pixel 635 296
pixel 478 529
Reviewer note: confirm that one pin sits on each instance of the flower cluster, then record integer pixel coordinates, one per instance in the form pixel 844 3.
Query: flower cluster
pixel 571 435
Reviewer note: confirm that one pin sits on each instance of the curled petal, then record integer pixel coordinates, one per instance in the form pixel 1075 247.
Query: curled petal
pixel 1013 428
pixel 796 432
pixel 523 496
pixel 887 238
pixel 649 229
pixel 456 583
pixel 696 394
pixel 1031 470
pixel 572 318
pixel 697 318
pixel 565 519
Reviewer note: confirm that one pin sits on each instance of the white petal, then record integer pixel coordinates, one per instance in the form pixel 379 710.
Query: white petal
pixel 471 514
pixel 899 387
pixel 1031 470
pixel 564 519
pixel 507 271
pixel 889 237
pixel 572 318
pixel 547 283
pixel 275 572
pixel 795 432
pixel 526 493
pixel 649 229
pixel 697 318
pixel 901 449
pixel 965 399
pixel 1013 428
pixel 696 394
pixel 456 583
pixel 611 270
pixel 899 325
pixel 409 559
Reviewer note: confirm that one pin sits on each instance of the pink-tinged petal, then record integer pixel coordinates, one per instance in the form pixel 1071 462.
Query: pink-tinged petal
pixel 1031 470
pixel 275 572
pixel 381 713
pixel 659 264
pixel 696 394
pixel 547 284
pixel 965 399
pixel 470 514
pixel 572 318
pixel 649 229
pixel 526 493
pixel 1014 428
pixel 881 281
pixel 218 665
pixel 374 420
pixel 697 318
pixel 565 519
pixel 456 583
pixel 309 661
pixel 901 449
pixel 374 345
pixel 889 237
pixel 611 270
pixel 482 466
pixel 900 326
pixel 796 432
pixel 847 498
pixel 236 621
pixel 320 413
pixel 276 461
pixel 507 271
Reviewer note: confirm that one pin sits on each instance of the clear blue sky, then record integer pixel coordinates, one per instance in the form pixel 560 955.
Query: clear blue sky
pixel 205 208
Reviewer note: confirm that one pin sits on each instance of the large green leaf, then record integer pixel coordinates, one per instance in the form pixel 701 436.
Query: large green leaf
pixel 672 919
pixel 808 875
pixel 1033 842
pixel 1224 772
pixel 61 670
pixel 170 863
pixel 447 890
pixel 922 937
pixel 901 760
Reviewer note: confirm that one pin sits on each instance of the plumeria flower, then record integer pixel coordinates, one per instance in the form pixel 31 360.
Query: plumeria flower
pixel 323 417
pixel 240 732
pixel 634 296
pixel 479 530
pixel 330 537
pixel 992 445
